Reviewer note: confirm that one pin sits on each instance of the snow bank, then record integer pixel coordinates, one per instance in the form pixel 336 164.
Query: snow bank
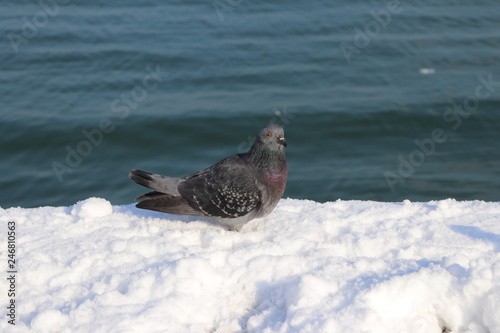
pixel 344 266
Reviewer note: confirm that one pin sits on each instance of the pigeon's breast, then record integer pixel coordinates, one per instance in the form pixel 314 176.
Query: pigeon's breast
pixel 272 191
pixel 277 180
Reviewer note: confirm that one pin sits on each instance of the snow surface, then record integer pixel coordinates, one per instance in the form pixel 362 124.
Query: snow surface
pixel 344 266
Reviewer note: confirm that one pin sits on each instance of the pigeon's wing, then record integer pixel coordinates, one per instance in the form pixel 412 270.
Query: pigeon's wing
pixel 226 190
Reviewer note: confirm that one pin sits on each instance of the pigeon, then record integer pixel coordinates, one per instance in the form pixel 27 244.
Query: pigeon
pixel 238 189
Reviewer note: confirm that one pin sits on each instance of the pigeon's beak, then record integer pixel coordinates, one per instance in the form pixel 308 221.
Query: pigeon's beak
pixel 282 141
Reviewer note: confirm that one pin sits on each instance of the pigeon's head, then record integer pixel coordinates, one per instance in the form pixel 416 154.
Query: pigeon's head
pixel 273 136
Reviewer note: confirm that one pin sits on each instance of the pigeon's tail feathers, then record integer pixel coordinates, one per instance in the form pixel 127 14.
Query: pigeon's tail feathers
pixel 159 183
pixel 149 195
pixel 175 205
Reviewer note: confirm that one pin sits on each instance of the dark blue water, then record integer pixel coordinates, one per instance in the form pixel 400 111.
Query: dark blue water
pixel 380 100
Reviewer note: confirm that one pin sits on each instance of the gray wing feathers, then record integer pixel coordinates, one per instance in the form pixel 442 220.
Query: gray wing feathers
pixel 226 190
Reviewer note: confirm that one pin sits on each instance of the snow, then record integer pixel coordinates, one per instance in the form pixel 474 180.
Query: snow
pixel 344 266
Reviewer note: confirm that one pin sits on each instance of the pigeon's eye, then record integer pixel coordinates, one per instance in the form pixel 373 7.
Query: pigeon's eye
pixel 269 134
